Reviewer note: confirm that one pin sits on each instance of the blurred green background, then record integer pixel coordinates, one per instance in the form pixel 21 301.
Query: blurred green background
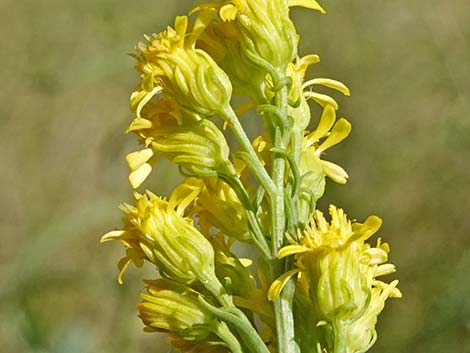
pixel 64 106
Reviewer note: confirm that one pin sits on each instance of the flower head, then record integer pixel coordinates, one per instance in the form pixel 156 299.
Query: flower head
pixel 156 231
pixel 339 271
pixel 193 143
pixel 171 63
pixel 260 29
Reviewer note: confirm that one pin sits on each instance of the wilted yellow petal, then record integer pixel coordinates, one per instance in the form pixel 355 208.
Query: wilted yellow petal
pixel 279 283
pixel 335 172
pixel 339 86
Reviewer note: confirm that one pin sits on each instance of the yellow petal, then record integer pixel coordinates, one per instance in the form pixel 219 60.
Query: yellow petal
pixel 395 292
pixel 181 24
pixel 123 265
pixel 112 235
pixel 228 12
pixel 136 159
pixel 303 63
pixel 321 99
pixel 327 120
pixel 309 4
pixel 200 24
pixel 335 172
pixel 377 256
pixel 292 249
pixel 339 86
pixel 340 131
pixel 384 270
pixel 279 283
pixel 369 228
pixel 138 176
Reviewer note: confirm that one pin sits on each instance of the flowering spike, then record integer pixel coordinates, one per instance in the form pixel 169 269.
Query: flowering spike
pixel 319 285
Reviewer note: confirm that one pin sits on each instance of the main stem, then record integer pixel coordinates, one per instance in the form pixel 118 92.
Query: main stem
pixel 283 304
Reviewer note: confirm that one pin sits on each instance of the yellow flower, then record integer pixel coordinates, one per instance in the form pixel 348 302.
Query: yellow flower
pixel 338 271
pixel 171 63
pixel 193 143
pixel 297 72
pixel 328 133
pixel 156 231
pixel 312 167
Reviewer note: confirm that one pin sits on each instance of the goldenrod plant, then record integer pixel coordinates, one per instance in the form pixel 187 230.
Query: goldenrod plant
pixel 315 285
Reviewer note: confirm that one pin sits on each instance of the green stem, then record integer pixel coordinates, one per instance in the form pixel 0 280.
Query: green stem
pixel 235 317
pixel 255 166
pixel 283 304
pixel 257 234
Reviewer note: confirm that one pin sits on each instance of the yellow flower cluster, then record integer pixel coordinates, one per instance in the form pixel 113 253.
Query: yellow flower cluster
pixel 239 193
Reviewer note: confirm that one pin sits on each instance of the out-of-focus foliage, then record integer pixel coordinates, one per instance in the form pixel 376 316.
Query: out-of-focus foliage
pixel 63 108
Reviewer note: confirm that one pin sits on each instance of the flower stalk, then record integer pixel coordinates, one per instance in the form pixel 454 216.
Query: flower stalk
pixel 317 286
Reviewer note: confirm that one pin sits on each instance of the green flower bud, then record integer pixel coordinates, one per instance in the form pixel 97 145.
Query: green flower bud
pixel 250 38
pixel 170 62
pixel 221 41
pixel 195 144
pixel 171 307
pixel 163 236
